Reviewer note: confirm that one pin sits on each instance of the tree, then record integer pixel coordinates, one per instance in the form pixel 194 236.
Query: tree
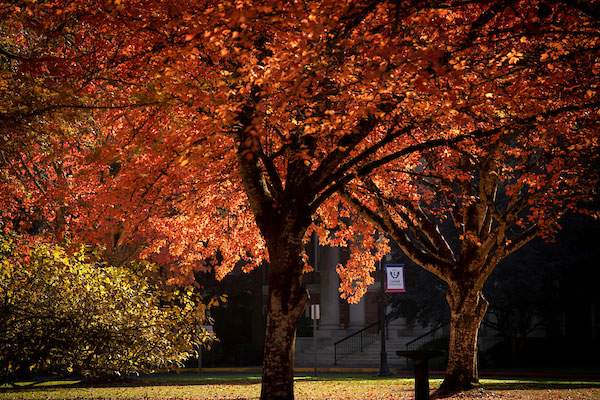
pixel 223 130
pixel 495 194
pixel 62 313
pixel 477 206
pixel 550 283
pixel 524 294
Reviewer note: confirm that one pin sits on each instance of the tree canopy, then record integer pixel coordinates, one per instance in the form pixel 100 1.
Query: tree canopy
pixel 221 132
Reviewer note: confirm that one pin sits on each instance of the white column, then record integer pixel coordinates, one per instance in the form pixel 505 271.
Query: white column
pixel 357 315
pixel 330 297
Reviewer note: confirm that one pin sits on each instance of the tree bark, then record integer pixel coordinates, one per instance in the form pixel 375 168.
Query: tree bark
pixel 287 298
pixel 467 308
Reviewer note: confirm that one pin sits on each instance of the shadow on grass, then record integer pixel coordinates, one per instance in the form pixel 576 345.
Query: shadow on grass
pixel 133 382
pixel 506 384
pixel 188 379
pixel 537 384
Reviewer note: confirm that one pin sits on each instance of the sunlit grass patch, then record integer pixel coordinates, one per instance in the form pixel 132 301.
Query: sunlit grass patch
pixel 326 386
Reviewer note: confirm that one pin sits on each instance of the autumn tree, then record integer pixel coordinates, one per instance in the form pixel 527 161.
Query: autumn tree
pixel 459 211
pixel 223 130
pixel 476 206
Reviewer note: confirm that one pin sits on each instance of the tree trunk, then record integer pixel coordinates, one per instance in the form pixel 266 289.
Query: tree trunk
pixel 467 308
pixel 287 298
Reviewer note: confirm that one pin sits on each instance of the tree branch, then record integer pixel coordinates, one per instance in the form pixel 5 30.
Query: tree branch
pixel 442 142
pixel 422 258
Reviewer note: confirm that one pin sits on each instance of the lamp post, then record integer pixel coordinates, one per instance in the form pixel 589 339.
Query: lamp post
pixel 315 314
pixel 384 370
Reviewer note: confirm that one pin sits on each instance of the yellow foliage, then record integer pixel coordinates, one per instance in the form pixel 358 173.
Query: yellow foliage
pixel 64 313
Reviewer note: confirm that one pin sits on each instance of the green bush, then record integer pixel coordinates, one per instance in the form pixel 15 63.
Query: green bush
pixel 62 314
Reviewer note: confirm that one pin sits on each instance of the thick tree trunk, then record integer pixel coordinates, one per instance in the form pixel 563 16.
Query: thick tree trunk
pixel 286 301
pixel 467 308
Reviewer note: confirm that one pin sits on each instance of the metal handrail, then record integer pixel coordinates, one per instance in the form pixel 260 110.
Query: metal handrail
pixel 362 337
pixel 414 344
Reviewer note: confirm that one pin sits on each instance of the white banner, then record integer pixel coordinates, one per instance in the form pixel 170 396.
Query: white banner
pixel 394 274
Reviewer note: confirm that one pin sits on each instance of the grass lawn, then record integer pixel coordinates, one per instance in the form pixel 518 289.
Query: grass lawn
pixel 328 386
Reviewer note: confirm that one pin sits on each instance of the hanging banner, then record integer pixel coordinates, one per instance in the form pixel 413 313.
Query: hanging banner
pixel 394 281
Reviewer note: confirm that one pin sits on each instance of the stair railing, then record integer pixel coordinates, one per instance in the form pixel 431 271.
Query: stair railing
pixel 433 334
pixel 356 341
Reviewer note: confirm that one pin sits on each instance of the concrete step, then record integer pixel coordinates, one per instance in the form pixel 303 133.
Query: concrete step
pixel 369 357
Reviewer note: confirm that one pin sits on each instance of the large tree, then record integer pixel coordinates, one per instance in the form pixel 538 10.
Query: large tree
pixel 475 207
pixel 223 130
pixel 459 211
